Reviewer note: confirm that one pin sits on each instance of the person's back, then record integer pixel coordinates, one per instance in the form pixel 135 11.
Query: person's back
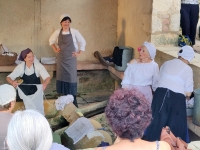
pixel 129 113
pixel 5 119
pixel 177 72
pixel 137 144
pixel 7 103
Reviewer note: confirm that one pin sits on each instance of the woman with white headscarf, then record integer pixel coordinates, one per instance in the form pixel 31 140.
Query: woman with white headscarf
pixel 142 73
pixel 68 44
pixel 175 84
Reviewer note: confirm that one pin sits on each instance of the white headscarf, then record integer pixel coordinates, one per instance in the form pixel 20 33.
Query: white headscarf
pixel 7 94
pixel 151 49
pixel 63 16
pixel 187 53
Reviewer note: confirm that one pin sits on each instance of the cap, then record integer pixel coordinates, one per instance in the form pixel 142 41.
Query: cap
pixel 7 94
pixel 187 53
pixel 151 49
pixel 63 16
pixel 24 53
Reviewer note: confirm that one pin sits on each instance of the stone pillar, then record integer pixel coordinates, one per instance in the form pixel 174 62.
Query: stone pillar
pixel 165 22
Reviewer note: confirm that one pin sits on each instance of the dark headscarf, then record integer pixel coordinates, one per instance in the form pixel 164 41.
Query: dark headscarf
pixel 23 54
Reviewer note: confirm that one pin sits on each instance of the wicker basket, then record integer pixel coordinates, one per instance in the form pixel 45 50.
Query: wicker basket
pixel 6 60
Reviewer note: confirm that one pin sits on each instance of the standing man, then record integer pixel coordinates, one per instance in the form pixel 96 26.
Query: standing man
pixel 189 18
pixel 68 43
pixel 7 104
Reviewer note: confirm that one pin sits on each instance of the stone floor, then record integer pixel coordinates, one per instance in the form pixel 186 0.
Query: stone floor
pixel 197 46
pixel 193 136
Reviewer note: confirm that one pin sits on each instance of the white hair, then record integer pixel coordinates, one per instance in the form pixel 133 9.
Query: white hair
pixel 29 130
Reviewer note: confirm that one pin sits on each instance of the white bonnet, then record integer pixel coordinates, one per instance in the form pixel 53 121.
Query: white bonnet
pixel 7 94
pixel 63 16
pixel 187 53
pixel 151 49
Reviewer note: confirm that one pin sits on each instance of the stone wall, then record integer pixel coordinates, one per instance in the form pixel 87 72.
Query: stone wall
pixel 134 23
pixel 29 23
pixel 165 22
pixel 88 81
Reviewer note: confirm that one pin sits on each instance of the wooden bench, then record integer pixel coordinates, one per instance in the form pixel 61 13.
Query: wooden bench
pixel 81 65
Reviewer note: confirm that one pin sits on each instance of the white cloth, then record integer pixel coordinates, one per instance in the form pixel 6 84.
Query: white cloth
pixel 7 94
pixel 63 16
pixel 79 129
pixel 94 134
pixel 194 145
pixel 145 90
pixel 151 49
pixel 187 53
pixel 190 103
pixel 141 74
pixel 34 101
pixel 56 146
pixel 190 1
pixel 79 41
pixel 3 48
pixel 176 76
pixel 39 70
pixel 62 101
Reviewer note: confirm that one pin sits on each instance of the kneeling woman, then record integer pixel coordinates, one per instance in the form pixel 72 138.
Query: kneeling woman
pixel 30 73
pixel 175 84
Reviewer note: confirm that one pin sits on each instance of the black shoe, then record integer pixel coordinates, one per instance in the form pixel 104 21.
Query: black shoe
pixel 101 59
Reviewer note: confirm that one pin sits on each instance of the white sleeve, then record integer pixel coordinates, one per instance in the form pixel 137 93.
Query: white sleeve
pixel 125 81
pixel 42 71
pixel 155 77
pixel 54 37
pixel 81 40
pixel 18 71
pixel 189 83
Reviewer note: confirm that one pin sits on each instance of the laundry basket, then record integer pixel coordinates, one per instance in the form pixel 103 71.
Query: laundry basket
pixel 7 58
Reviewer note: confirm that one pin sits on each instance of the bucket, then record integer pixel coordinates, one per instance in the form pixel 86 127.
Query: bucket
pixel 196 108
pixel 126 57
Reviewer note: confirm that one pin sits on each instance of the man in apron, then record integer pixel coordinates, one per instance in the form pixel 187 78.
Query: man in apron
pixel 67 50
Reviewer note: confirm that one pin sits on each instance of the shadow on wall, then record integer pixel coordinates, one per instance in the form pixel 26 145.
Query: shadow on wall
pixel 121 40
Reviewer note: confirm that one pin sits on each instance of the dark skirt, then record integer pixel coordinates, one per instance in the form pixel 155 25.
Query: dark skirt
pixel 65 88
pixel 168 109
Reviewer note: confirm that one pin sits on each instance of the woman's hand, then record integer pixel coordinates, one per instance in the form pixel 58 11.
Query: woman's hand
pixel 57 50
pixel 75 54
pixel 15 84
pixel 44 85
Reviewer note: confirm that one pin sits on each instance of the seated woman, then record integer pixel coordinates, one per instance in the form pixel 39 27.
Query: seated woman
pixel 175 84
pixel 29 130
pixel 29 71
pixel 142 73
pixel 129 113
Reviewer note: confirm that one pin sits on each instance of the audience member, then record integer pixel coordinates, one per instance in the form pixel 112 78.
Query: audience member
pixel 7 103
pixel 29 130
pixel 129 113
